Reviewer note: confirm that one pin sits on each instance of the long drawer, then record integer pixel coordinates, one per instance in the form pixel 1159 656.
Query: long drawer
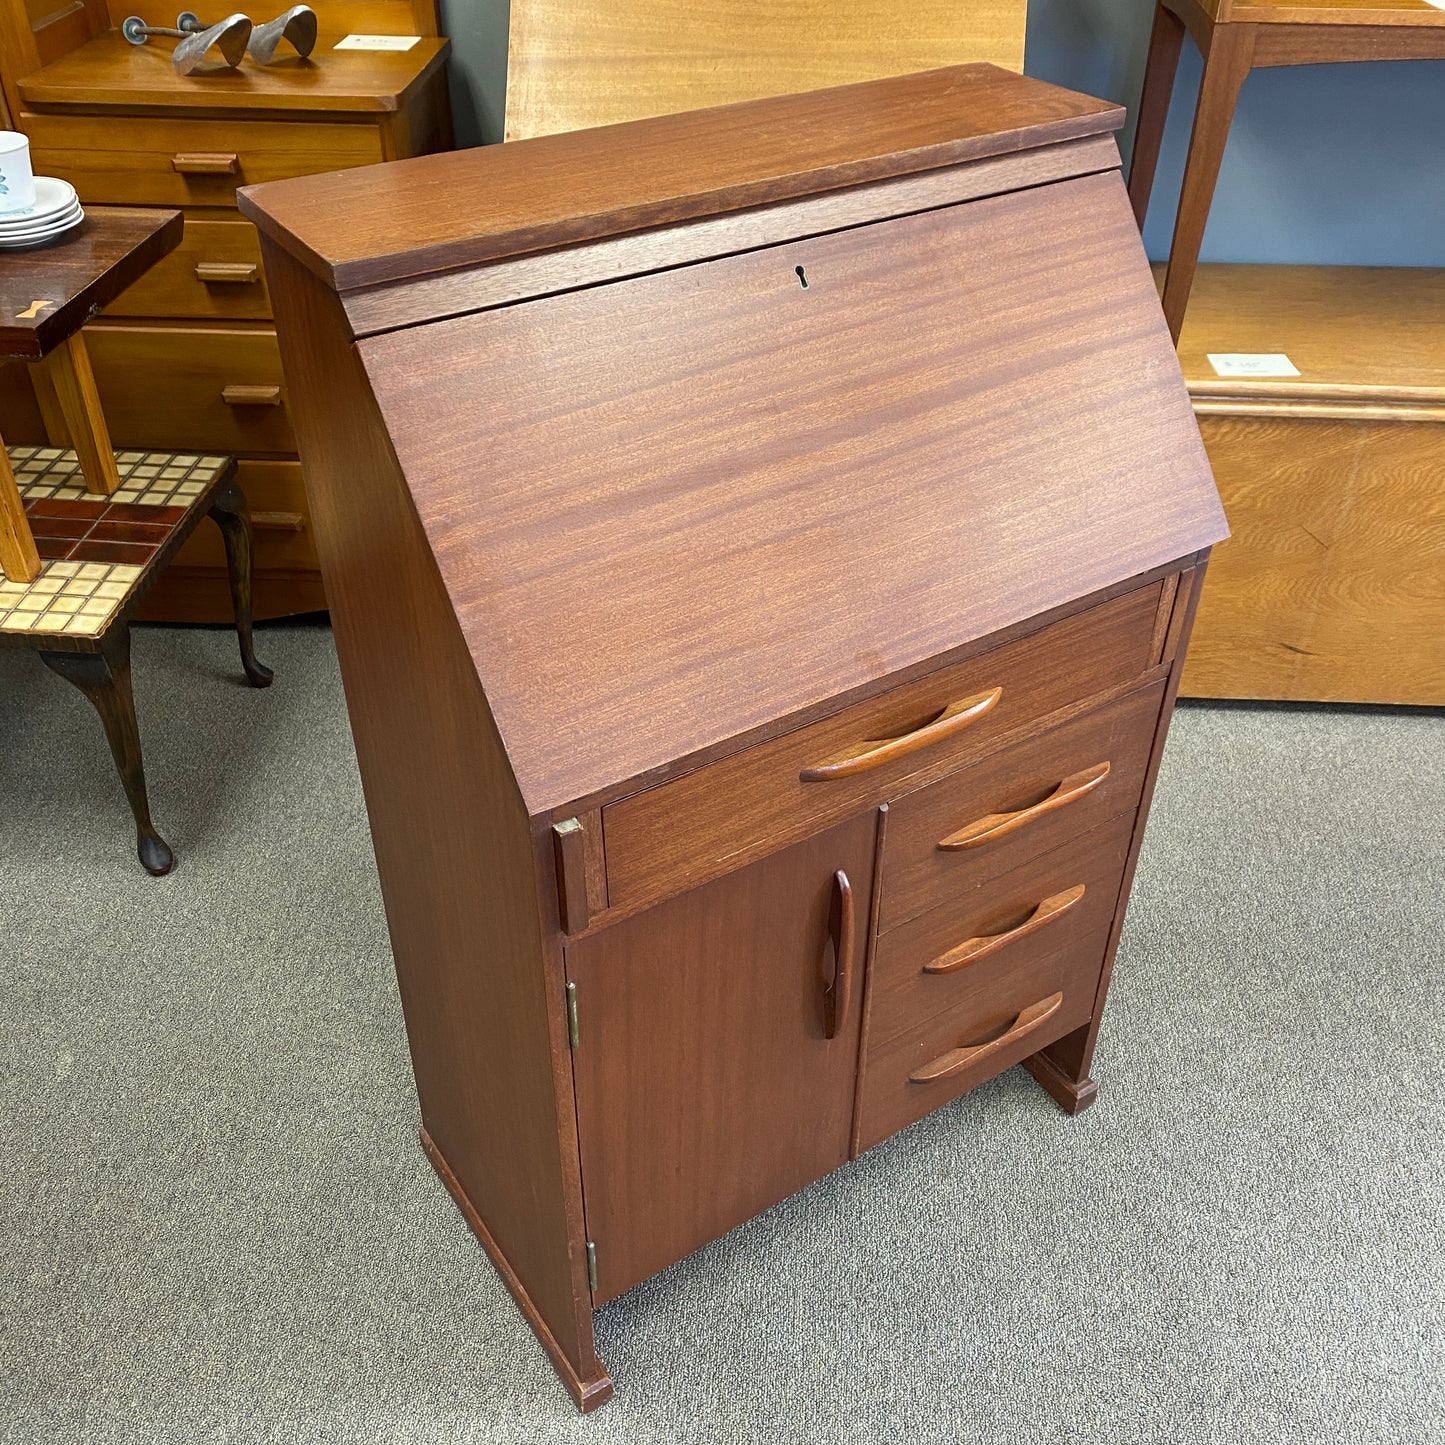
pixel 191 388
pixel 213 275
pixel 144 160
pixel 1014 989
pixel 982 822
pixel 682 832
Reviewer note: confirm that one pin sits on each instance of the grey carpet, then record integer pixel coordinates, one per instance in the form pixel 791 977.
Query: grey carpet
pixel 216 1223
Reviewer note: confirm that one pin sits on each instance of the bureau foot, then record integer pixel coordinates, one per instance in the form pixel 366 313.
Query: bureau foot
pixel 1072 1096
pixel 590 1386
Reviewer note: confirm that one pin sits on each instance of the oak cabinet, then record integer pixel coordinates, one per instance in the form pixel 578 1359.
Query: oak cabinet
pixel 761 546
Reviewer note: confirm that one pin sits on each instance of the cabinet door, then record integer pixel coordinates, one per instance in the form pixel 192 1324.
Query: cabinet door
pixel 708 1087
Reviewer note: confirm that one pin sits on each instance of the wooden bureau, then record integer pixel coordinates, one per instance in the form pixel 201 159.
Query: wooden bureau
pixel 186 360
pixel 761 545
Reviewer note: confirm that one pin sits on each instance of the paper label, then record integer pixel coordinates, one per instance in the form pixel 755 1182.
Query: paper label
pixel 376 42
pixel 1252 363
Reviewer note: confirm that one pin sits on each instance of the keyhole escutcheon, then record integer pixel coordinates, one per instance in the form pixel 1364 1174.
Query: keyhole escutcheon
pixel 802 276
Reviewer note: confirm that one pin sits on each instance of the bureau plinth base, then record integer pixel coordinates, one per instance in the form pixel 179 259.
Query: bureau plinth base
pixel 1072 1096
pixel 588 1392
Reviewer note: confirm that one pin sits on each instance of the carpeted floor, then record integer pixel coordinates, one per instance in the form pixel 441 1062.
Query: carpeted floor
pixel 216 1223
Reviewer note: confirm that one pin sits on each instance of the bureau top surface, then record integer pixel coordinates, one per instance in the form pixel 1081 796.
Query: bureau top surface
pixel 676 509
pixel 109 71
pixel 440 212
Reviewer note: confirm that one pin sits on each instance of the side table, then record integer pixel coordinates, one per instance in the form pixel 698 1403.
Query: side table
pixel 1235 37
pixel 85 532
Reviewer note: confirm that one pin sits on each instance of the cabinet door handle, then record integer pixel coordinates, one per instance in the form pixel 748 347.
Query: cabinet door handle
pixel 995 825
pixel 877 751
pixel 955 1061
pixel 838 990
pixel 251 395
pixel 973 949
pixel 198 163
pixel 234 273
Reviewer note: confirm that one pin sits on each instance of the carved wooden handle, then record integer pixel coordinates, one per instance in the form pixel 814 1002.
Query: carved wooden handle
pixel 954 718
pixel 838 990
pixel 251 395
pixel 208 163
pixel 955 1061
pixel 995 825
pixel 233 273
pixel 974 949
pixel 278 522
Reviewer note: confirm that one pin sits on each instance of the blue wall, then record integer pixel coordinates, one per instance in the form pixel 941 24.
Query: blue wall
pixel 1332 164
pixel 1327 164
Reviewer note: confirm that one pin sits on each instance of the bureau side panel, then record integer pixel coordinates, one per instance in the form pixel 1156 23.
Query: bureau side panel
pixel 453 847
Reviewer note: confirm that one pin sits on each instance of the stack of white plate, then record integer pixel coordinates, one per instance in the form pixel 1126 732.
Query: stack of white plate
pixel 56 211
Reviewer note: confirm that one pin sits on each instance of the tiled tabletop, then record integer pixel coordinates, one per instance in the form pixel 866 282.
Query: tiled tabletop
pixel 95 549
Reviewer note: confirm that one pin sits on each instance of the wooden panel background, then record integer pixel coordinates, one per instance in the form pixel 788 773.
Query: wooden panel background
pixel 571 65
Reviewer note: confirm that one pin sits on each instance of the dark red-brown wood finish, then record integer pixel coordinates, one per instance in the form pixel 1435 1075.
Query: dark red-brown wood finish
pixel 760 545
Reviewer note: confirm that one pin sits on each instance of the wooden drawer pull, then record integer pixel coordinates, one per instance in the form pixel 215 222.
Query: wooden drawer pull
pixel 230 273
pixel 995 825
pixel 278 521
pixel 199 163
pixel 976 948
pixel 877 751
pixel 838 988
pixel 955 1061
pixel 251 395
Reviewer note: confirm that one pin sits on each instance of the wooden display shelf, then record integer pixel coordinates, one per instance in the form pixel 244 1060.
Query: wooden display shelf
pixel 1332 586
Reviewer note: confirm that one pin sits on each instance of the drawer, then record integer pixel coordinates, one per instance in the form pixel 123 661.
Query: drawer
pixel 986 820
pixel 280 522
pixel 143 160
pixel 962 955
pixel 191 388
pixel 213 275
pixel 685 831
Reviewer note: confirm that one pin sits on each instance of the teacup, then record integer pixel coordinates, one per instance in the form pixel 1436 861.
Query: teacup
pixel 17 181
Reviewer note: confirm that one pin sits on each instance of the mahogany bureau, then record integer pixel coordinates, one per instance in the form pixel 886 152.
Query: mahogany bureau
pixel 761 545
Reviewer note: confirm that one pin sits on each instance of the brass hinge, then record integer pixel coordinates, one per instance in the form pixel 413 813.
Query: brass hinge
pixel 572 1014
pixel 592 1266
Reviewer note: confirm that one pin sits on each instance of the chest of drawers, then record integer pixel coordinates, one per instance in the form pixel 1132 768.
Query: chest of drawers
pixel 761 545
pixel 186 360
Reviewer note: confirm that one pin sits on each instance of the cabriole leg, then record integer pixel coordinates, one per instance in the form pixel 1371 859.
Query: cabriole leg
pixel 233 517
pixel 104 677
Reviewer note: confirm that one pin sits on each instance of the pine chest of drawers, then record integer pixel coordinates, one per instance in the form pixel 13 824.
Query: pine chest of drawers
pixel 761 545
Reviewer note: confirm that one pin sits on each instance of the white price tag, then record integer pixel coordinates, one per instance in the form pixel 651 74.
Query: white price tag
pixel 1252 363
pixel 376 42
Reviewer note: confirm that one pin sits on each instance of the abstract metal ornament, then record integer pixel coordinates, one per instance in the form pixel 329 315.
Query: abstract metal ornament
pixel 298 25
pixel 228 36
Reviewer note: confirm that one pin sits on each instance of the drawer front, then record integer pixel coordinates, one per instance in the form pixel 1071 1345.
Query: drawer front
pixel 963 954
pixel 213 275
pixel 685 831
pixel 280 523
pixel 143 160
pixel 191 388
pixel 982 822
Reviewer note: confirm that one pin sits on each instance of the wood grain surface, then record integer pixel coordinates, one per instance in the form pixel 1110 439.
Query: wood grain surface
pixel 572 64
pixel 213 275
pixel 442 212
pixel 48 294
pixel 707 1088
pixel 110 71
pixel 465 905
pixel 932 367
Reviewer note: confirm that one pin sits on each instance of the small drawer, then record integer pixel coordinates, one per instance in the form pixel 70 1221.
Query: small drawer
pixel 213 275
pixel 280 523
pixel 135 160
pixel 191 388
pixel 685 831
pixel 986 820
pixel 960 958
